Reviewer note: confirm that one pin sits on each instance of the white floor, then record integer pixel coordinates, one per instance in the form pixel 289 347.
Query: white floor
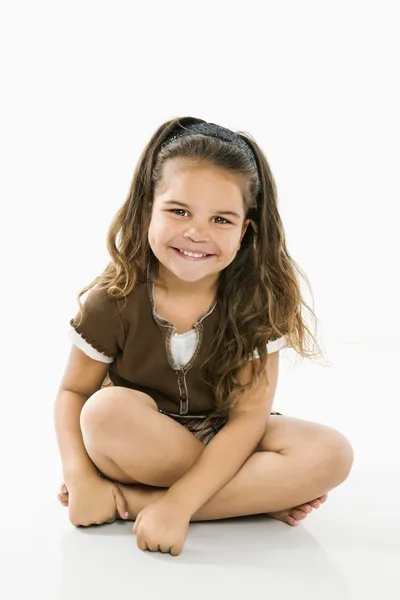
pixel 348 549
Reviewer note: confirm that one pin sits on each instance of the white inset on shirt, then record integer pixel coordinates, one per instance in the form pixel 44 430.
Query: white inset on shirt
pixel 182 345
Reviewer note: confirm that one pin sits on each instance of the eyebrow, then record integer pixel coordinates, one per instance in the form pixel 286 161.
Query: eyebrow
pixel 221 212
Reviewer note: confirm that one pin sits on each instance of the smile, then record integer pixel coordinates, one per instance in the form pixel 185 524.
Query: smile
pixel 197 256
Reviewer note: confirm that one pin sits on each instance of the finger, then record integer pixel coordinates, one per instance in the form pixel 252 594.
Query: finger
pixel 121 503
pixel 153 547
pixel 175 550
pixel 141 543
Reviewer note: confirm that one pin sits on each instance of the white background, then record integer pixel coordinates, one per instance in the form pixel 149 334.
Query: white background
pixel 83 87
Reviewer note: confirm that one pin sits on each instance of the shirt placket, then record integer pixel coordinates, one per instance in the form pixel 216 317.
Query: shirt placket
pixel 180 371
pixel 183 392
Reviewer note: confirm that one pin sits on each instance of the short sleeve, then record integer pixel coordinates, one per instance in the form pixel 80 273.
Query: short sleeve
pixel 101 332
pixel 272 346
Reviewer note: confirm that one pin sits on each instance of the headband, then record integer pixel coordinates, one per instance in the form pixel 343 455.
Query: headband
pixel 215 131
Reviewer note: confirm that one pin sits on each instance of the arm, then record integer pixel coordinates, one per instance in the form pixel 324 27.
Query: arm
pixel 82 378
pixel 231 446
pixel 86 370
pixel 75 460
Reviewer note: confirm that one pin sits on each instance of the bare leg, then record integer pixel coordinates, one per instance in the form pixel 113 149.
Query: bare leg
pixel 267 482
pixel 131 442
pixel 140 496
pixel 304 460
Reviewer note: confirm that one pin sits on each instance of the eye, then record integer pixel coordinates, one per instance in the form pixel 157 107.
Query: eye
pixel 178 210
pixel 223 219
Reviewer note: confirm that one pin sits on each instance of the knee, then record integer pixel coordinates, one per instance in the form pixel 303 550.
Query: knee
pixel 337 456
pixel 97 408
pixel 104 409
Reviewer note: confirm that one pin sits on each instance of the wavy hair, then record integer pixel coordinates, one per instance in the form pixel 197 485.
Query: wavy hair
pixel 259 292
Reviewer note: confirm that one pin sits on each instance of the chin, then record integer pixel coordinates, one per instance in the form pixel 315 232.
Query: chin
pixel 192 275
pixel 192 278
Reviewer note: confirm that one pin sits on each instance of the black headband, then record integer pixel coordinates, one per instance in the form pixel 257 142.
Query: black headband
pixel 216 131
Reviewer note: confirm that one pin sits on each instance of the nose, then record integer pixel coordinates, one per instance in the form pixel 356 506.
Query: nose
pixel 197 233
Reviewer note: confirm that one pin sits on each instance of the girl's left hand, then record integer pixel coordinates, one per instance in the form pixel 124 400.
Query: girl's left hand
pixel 161 527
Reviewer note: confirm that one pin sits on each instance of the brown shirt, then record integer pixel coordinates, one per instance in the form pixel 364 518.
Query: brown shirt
pixel 139 341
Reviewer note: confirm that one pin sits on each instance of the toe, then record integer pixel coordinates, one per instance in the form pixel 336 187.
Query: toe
pixel 284 516
pixel 321 499
pixel 289 519
pixel 298 514
pixel 318 501
pixel 307 508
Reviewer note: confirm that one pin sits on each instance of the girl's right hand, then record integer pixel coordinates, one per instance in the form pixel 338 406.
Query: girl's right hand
pixel 93 501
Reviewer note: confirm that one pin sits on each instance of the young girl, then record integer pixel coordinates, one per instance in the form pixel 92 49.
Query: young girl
pixel 164 413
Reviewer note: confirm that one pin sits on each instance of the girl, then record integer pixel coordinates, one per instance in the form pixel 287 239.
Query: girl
pixel 163 414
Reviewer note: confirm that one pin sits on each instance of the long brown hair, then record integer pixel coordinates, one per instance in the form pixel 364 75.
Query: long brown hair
pixel 259 292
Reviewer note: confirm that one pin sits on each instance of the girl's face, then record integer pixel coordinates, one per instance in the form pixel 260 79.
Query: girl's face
pixel 197 210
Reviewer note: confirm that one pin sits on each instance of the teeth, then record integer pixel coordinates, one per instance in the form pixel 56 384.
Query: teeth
pixel 192 254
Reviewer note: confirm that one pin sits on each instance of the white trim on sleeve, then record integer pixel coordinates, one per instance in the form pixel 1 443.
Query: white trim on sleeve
pixel 272 346
pixel 83 345
pixel 278 344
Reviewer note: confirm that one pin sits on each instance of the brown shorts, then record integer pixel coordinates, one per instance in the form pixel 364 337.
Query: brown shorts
pixel 196 425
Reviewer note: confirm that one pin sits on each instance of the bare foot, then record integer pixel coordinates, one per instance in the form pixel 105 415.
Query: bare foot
pixel 292 516
pixel 138 497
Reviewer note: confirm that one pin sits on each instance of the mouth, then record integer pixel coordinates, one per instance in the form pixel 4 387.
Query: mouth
pixel 192 256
